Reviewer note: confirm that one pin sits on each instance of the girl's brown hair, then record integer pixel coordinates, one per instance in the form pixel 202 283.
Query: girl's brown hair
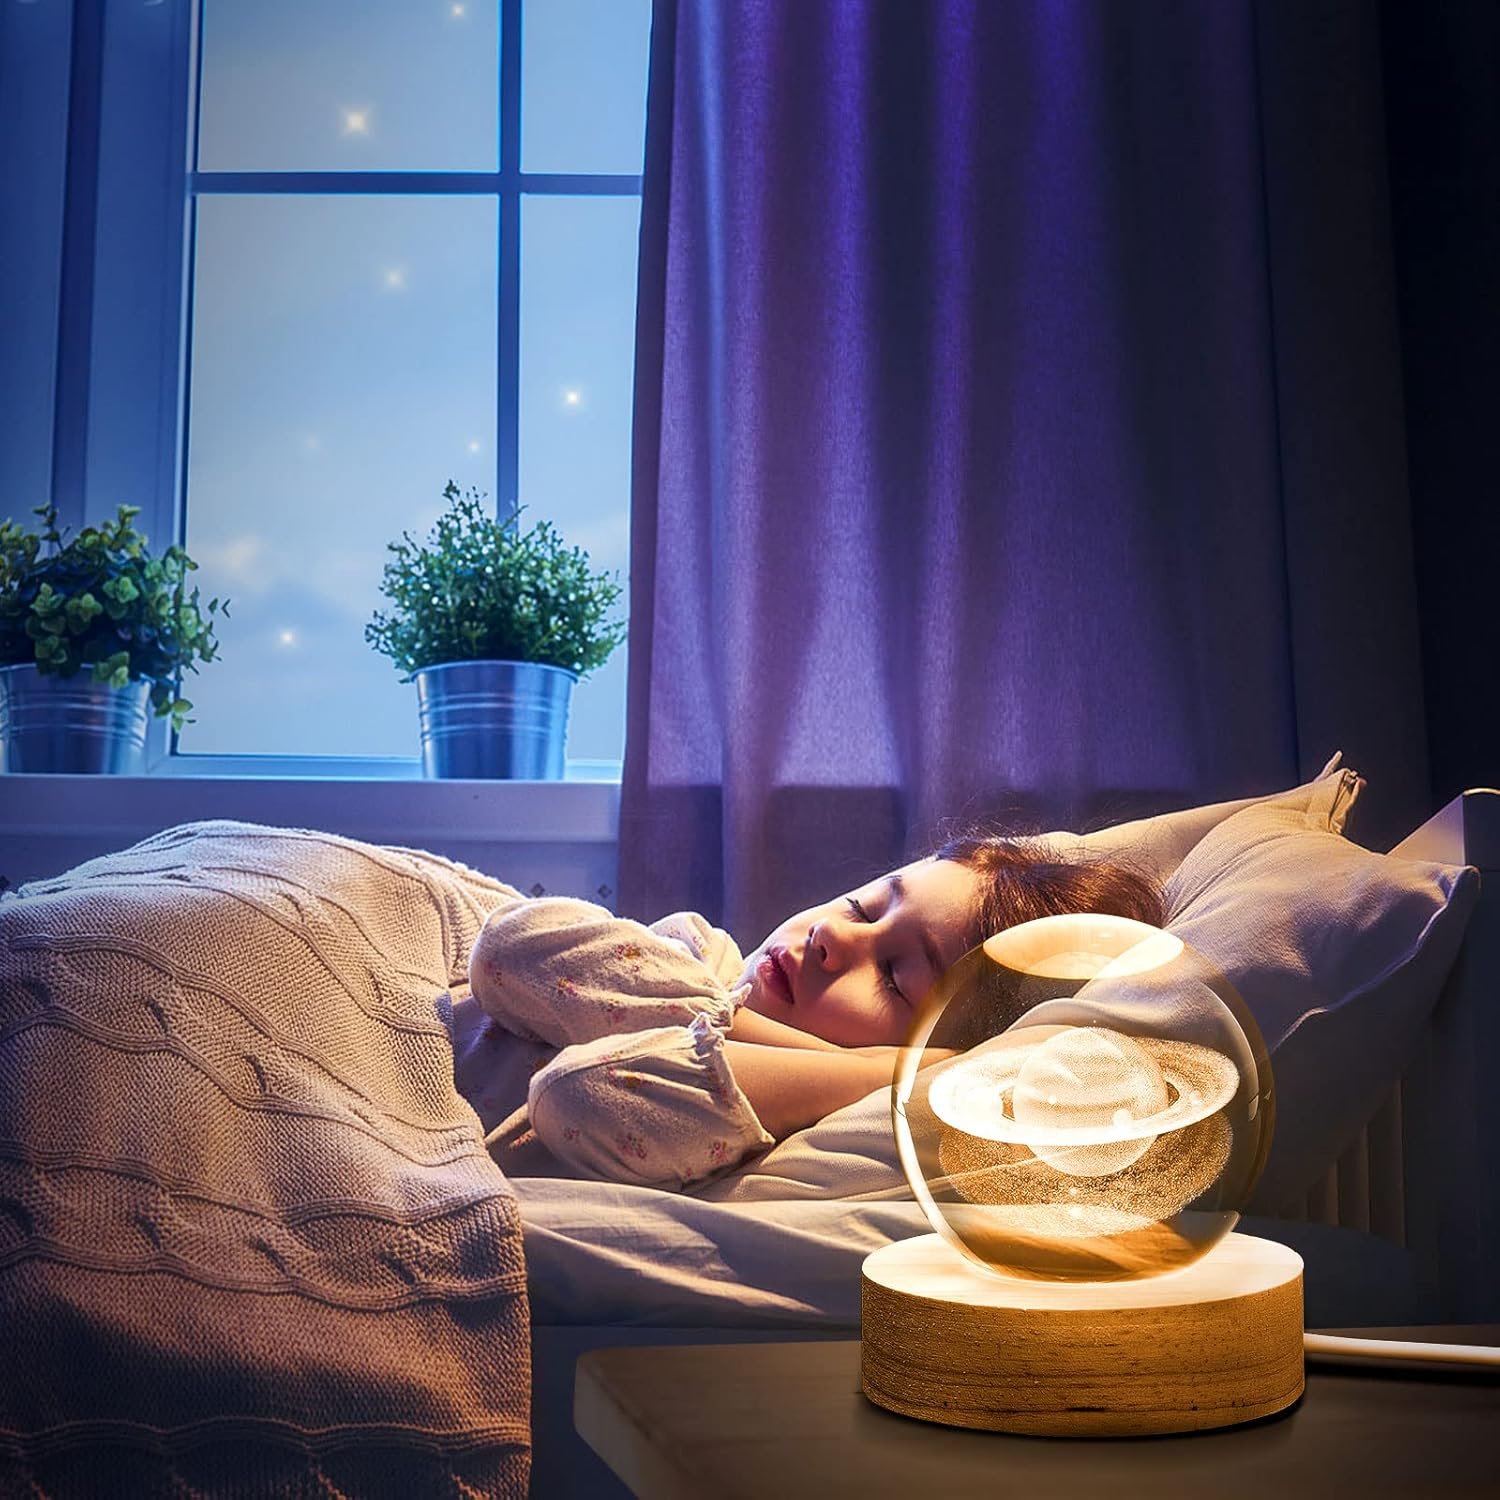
pixel 1022 879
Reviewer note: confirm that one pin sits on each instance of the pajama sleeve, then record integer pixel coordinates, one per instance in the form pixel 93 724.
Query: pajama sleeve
pixel 710 945
pixel 657 1108
pixel 563 971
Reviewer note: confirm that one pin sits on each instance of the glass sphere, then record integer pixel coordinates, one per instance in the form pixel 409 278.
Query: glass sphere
pixel 1108 1109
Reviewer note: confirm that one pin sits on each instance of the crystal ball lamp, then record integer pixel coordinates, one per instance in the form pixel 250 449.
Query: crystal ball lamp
pixel 1083 1157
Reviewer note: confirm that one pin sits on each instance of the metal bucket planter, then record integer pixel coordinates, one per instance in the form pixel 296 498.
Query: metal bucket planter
pixel 494 720
pixel 71 724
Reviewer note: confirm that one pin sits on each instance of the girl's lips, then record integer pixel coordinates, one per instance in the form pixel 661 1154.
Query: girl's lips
pixel 774 978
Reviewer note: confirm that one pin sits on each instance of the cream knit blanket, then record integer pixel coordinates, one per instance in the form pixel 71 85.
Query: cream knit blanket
pixel 250 1239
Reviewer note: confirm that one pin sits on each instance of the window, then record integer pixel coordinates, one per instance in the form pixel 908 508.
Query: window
pixel 411 257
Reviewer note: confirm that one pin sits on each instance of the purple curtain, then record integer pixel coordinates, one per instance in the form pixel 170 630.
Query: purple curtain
pixel 1017 431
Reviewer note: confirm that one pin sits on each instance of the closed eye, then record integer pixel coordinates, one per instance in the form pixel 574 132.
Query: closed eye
pixel 887 970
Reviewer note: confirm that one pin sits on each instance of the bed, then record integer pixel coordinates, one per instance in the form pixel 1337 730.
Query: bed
pixel 363 1303
pixel 1394 1207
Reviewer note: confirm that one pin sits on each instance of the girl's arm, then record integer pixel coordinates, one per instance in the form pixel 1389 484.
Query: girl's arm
pixel 660 1108
pixel 671 1107
pixel 790 1089
pixel 750 1026
pixel 563 971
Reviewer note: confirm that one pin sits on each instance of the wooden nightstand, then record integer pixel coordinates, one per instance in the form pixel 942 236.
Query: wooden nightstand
pixel 788 1421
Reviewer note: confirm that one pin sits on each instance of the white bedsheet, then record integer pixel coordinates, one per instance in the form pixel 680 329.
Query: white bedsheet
pixel 602 1252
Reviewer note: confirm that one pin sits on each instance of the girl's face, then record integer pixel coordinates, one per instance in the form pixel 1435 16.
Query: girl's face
pixel 853 970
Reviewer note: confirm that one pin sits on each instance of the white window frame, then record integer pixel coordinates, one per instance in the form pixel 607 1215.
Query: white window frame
pixel 120 433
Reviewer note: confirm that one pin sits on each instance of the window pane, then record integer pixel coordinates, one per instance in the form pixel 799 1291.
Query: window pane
pixel 343 368
pixel 33 166
pixel 349 86
pixel 578 259
pixel 583 85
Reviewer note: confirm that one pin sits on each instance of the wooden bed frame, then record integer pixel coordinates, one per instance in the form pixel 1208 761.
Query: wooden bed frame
pixel 1424 1173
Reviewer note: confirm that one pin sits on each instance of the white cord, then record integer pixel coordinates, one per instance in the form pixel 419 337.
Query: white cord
pixel 1337 1348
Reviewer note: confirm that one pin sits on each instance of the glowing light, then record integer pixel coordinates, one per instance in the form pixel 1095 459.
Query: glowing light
pixel 572 398
pixel 1083 946
pixel 288 637
pixel 395 279
pixel 474 446
pixel 356 122
pixel 456 11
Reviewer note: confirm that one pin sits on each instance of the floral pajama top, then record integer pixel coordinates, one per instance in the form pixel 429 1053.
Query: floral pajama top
pixel 593 1046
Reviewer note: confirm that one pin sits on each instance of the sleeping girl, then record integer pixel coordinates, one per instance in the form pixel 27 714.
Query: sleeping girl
pixel 594 1046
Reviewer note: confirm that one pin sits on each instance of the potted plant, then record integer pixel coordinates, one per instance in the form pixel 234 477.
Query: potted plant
pixel 495 625
pixel 88 633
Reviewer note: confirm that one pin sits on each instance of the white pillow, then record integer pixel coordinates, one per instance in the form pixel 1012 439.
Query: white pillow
pixel 1340 955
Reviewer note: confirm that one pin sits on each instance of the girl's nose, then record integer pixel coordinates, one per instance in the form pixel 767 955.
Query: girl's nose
pixel 827 945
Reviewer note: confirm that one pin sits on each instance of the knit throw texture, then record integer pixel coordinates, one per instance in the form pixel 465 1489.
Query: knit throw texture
pixel 251 1242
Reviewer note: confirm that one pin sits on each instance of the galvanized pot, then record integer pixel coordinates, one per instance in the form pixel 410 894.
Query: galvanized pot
pixel 494 720
pixel 71 724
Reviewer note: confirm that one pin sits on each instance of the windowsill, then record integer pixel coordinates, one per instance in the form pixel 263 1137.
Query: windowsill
pixel 393 810
pixel 360 768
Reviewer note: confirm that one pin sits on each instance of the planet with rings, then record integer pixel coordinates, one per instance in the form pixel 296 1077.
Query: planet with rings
pixel 1087 1100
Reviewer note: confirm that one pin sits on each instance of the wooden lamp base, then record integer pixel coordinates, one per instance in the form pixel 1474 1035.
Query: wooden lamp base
pixel 1217 1343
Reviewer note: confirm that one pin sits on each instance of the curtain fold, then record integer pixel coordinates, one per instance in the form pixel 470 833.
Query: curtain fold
pixel 1012 381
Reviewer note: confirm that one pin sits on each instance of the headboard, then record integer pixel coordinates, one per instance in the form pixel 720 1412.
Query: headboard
pixel 1425 1171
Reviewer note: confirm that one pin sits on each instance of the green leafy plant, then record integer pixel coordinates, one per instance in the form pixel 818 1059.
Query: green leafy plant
pixel 101 602
pixel 484 590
